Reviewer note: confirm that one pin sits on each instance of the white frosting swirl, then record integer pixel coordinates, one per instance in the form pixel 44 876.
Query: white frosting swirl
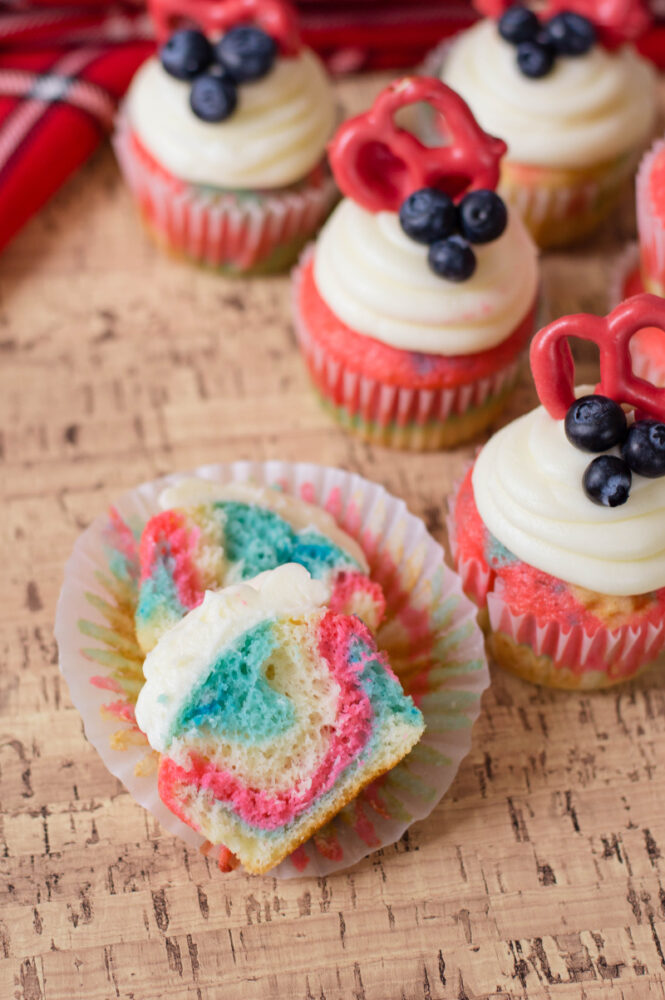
pixel 586 111
pixel 276 135
pixel 527 484
pixel 377 281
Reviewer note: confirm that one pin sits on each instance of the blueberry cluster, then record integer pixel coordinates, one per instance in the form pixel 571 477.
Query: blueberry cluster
pixel 244 53
pixel 539 43
pixel 430 216
pixel 596 424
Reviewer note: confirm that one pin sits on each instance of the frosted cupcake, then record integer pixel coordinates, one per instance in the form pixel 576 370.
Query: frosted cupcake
pixel 575 105
pixel 270 713
pixel 418 298
pixel 564 551
pixel 209 536
pixel 222 135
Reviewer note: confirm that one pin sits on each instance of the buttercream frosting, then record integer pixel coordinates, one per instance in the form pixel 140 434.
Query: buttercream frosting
pixel 276 135
pixel 377 281
pixel 527 484
pixel 190 649
pixel 589 109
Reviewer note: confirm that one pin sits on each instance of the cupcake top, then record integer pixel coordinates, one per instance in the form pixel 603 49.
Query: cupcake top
pixel 243 105
pixel 422 254
pixel 552 88
pixel 596 522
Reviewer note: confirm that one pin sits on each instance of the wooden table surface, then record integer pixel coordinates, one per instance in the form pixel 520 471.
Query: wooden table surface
pixel 541 874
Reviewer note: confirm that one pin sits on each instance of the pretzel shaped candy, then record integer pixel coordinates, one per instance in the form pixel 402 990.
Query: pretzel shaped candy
pixel 276 17
pixel 378 164
pixel 553 368
pixel 616 21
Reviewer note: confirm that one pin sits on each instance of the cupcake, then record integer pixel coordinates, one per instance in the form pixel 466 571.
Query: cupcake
pixel 208 536
pixel 270 713
pixel 417 300
pixel 558 530
pixel 222 136
pixel 574 102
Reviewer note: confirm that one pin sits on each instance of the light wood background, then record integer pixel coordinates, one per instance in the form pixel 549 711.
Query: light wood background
pixel 539 875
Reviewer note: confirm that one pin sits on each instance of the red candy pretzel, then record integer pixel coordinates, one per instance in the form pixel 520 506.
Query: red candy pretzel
pixel 616 21
pixel 276 17
pixel 553 368
pixel 378 164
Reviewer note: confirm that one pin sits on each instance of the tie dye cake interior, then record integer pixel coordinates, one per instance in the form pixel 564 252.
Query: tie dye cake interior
pixel 208 536
pixel 271 712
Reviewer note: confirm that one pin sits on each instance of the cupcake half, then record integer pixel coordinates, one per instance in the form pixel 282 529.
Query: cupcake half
pixel 413 307
pixel 270 713
pixel 558 530
pixel 209 536
pixel 222 136
pixel 575 103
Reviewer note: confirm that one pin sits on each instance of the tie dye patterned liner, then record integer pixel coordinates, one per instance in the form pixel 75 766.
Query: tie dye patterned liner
pixel 430 634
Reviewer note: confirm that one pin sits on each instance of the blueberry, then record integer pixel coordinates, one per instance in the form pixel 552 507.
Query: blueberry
pixel 246 52
pixel 607 481
pixel 644 448
pixel 595 423
pixel 186 54
pixel 535 59
pixel 428 215
pixel 518 24
pixel 452 259
pixel 483 216
pixel 571 34
pixel 213 96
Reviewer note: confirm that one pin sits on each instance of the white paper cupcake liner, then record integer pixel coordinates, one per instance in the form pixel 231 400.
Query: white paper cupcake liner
pixel 430 633
pixel 616 654
pixel 223 231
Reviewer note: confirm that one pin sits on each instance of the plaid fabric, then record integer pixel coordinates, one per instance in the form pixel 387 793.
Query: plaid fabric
pixel 64 67
pixel 62 71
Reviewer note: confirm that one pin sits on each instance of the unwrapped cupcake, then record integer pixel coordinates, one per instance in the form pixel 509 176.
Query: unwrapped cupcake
pixel 574 101
pixel 222 135
pixel 417 300
pixel 270 713
pixel 558 530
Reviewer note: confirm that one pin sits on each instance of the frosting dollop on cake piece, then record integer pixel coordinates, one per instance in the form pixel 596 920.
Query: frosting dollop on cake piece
pixel 527 484
pixel 587 110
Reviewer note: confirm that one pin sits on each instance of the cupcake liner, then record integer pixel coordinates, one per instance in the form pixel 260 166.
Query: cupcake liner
pixel 223 230
pixel 562 206
pixel 398 416
pixel 430 634
pixel 650 226
pixel 616 654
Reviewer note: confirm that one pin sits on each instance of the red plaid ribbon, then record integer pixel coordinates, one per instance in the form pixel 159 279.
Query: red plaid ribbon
pixel 64 67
